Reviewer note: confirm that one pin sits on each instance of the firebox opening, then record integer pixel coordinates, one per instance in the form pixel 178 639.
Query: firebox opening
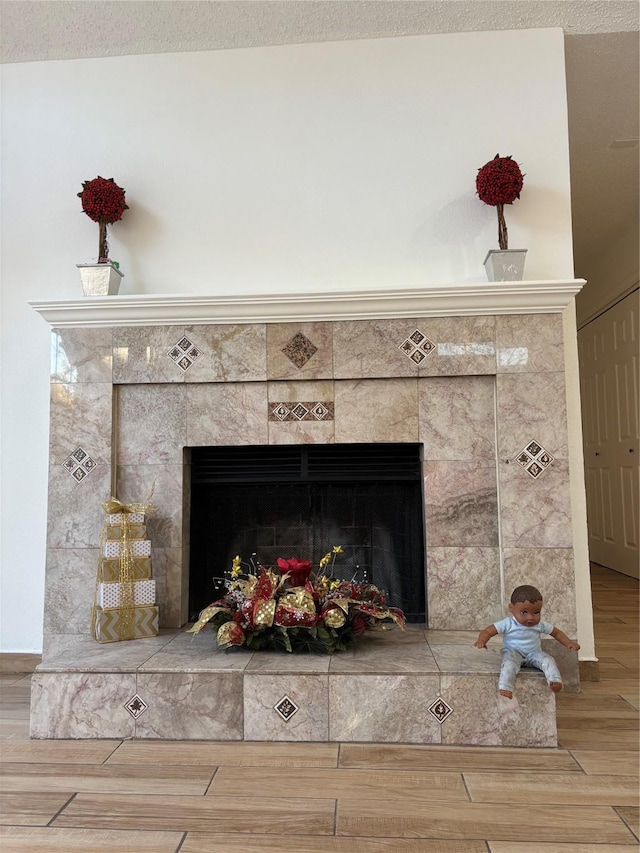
pixel 301 500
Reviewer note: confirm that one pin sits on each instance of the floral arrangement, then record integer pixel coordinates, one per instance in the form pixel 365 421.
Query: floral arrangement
pixel 103 201
pixel 499 182
pixel 295 609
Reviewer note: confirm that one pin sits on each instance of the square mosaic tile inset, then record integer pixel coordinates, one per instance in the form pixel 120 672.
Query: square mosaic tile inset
pixel 299 350
pixel 286 708
pixel 313 411
pixel 184 353
pixel 417 346
pixel 79 464
pixel 534 459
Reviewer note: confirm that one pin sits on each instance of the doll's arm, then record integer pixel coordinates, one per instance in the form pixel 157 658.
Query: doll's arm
pixel 484 636
pixel 558 635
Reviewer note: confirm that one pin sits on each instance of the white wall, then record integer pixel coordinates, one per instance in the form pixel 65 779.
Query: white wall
pixel 319 166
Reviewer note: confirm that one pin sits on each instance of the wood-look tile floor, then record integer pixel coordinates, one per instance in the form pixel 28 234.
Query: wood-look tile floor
pixel 165 797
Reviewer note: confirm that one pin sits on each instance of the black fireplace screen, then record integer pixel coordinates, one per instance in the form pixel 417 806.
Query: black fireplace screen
pixel 300 501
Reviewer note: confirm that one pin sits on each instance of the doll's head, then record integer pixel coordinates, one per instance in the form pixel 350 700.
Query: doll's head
pixel 526 605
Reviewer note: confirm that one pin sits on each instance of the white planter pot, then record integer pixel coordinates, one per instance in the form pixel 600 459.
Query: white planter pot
pixel 100 279
pixel 505 264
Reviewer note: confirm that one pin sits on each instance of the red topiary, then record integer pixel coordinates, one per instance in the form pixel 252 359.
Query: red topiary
pixel 499 182
pixel 103 201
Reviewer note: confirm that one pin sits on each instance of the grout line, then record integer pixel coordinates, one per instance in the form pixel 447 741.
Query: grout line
pixel 466 787
pixel 181 843
pixel 62 808
pixel 213 776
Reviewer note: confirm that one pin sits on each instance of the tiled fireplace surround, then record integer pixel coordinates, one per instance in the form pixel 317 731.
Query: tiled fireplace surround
pixel 479 383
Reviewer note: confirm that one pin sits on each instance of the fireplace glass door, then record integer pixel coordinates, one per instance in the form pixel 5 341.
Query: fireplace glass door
pixel 265 502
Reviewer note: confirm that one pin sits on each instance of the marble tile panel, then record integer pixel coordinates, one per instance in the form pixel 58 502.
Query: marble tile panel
pixel 310 344
pixel 196 653
pixel 227 414
pixel 54 645
pixel 458 576
pixel 81 355
pixel 308 692
pixel 190 706
pixel 376 410
pixel 552 571
pixel 464 346
pixel 151 424
pixel 467 660
pixel 87 655
pixel 80 416
pixel 451 638
pixel 297 391
pixel 75 514
pixel 70 583
pixel 391 652
pixel 457 417
pixel 229 353
pixel 529 343
pixel 481 717
pixel 531 407
pixel 161 485
pixel 140 354
pixel 370 349
pixel 535 513
pixel 461 504
pixel 81 705
pixel 167 573
pixel 302 432
pixel 278 663
pixel 389 708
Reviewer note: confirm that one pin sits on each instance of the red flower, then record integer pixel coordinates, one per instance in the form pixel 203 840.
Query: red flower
pixel 298 569
pixel 499 181
pixel 103 200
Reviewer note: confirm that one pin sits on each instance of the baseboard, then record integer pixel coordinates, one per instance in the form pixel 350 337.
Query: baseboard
pixel 18 662
pixel 589 670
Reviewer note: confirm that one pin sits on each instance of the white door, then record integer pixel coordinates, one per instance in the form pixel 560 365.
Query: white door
pixel 608 354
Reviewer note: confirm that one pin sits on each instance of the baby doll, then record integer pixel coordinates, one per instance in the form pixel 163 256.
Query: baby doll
pixel 521 644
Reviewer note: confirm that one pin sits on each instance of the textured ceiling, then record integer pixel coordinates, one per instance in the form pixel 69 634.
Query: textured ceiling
pixel 42 29
pixel 601 54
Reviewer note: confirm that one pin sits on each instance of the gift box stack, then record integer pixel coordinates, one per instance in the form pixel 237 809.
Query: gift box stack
pixel 125 601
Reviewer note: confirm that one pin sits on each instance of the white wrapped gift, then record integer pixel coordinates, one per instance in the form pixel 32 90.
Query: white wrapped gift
pixel 136 531
pixel 139 548
pixel 134 517
pixel 110 594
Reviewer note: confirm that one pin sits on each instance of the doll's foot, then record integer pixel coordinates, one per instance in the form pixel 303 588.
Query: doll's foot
pixel 507 694
pixel 556 686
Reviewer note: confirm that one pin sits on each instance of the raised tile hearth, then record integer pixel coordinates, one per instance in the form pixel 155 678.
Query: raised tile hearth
pixel 414 687
pixel 472 373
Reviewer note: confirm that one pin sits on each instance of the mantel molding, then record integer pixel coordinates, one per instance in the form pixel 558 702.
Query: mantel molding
pixel 476 298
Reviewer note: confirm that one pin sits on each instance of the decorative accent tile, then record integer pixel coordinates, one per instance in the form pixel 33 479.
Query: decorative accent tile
pixel 299 350
pixel 417 346
pixel 286 708
pixel 184 353
pixel 136 706
pixel 534 459
pixel 301 411
pixel 79 464
pixel 440 710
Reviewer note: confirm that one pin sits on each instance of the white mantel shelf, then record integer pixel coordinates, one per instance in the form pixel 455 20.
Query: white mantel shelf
pixel 470 299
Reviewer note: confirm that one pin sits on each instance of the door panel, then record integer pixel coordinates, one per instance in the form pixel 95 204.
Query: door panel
pixel 608 349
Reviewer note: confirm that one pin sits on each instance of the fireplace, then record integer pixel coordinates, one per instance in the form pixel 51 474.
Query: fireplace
pixel 471 378
pixel 301 500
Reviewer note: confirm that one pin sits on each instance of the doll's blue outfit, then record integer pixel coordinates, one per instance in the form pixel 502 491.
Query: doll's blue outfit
pixel 521 647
